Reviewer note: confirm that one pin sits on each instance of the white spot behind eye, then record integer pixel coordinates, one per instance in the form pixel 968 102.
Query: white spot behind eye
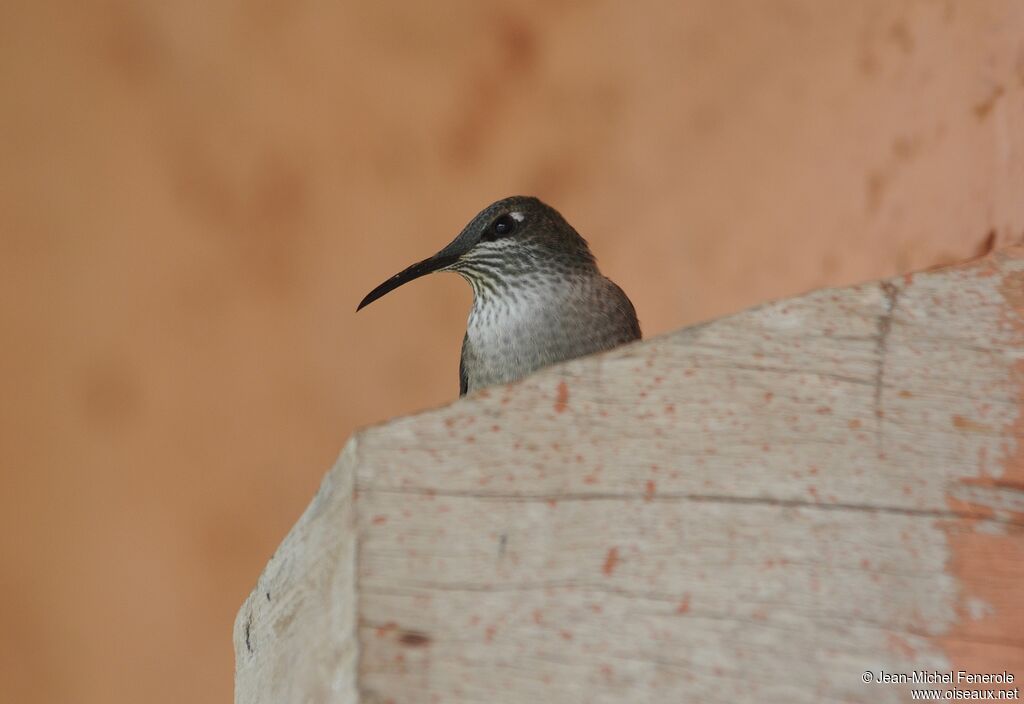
pixel 518 217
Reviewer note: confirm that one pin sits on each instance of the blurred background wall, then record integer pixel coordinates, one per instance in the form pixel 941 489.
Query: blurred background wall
pixel 195 195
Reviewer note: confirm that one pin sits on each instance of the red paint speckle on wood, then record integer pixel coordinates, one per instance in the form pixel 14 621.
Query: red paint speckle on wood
pixel 649 490
pixel 610 561
pixel 684 605
pixel 854 424
pixel 380 520
pixel 489 633
pixel 538 616
pixel 969 425
pixel 414 639
pixel 566 635
pixel 562 400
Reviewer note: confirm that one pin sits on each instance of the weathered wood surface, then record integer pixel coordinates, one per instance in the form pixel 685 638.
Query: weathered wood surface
pixel 295 636
pixel 760 508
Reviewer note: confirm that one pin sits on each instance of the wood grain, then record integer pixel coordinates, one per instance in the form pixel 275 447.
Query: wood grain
pixel 295 637
pixel 760 508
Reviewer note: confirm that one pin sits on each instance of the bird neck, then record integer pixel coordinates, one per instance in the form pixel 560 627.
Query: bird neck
pixel 498 274
pixel 517 293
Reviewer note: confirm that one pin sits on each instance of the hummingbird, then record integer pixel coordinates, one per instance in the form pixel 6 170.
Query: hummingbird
pixel 538 296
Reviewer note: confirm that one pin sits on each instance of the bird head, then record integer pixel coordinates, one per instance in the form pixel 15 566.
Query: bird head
pixel 513 236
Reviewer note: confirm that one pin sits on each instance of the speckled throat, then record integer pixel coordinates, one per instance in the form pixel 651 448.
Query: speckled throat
pixel 525 318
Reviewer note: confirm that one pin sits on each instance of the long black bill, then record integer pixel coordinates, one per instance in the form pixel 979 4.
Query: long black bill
pixel 427 266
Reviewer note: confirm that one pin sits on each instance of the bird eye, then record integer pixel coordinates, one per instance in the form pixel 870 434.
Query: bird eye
pixel 504 226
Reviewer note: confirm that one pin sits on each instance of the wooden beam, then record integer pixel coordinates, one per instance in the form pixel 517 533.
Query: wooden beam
pixel 760 508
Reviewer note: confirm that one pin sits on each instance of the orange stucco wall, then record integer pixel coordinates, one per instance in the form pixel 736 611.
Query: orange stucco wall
pixel 194 196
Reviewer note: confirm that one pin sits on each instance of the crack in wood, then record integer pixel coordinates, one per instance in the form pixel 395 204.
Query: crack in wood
pixel 783 370
pixel 816 615
pixel 248 633
pixel 769 502
pixel 891 299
